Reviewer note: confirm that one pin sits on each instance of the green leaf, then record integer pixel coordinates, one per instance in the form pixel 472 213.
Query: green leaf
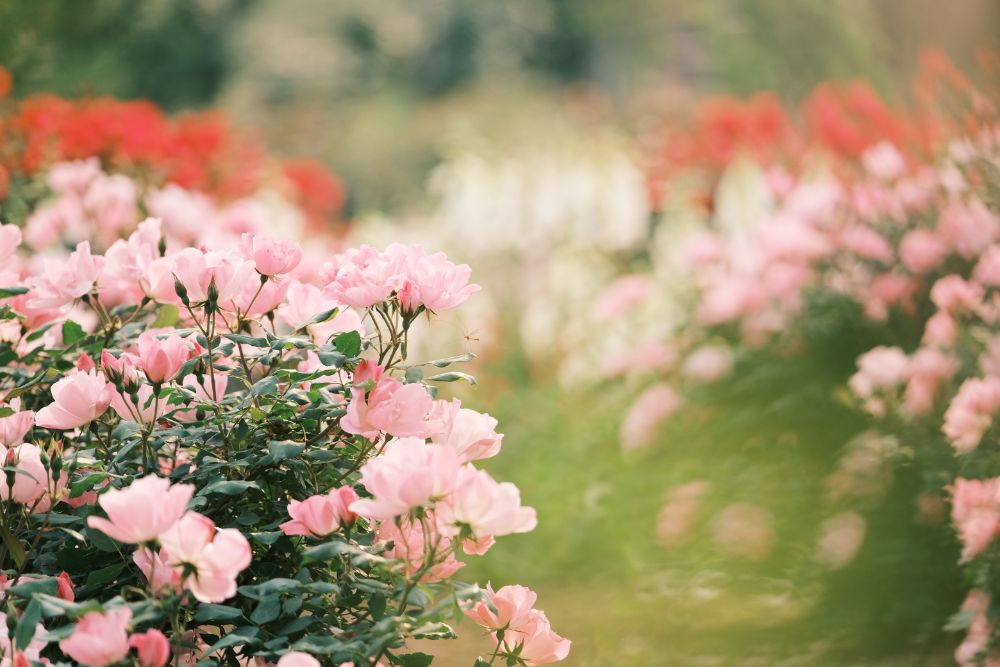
pixel 229 487
pixel 80 487
pixel 281 451
pixel 12 291
pixel 28 624
pixel 267 610
pixel 48 585
pixel 105 575
pixel 13 546
pixel 452 376
pixel 72 332
pixel 348 343
pixel 414 660
pixel 167 316
pixel 270 587
pixel 217 612
pixel 413 375
pixel 252 341
pixel 322 317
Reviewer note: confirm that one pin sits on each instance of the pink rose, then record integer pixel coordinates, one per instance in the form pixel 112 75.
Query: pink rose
pixel 391 407
pixel 512 605
pixel 969 228
pixel 31 479
pixel 483 507
pixel 14 427
pixel 410 473
pixel 143 510
pixel 472 434
pixel 539 644
pixel 271 257
pixel 429 281
pixel 162 358
pixel 152 647
pixel 953 294
pixel 215 557
pixel 10 238
pixel 321 515
pixel 78 399
pixel 409 545
pixel 361 277
pixel 154 565
pixel 975 509
pixel 99 639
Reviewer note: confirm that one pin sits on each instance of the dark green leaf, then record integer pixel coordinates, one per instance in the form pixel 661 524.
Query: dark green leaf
pixel 216 612
pixel 348 343
pixel 267 610
pixel 72 332
pixel 28 624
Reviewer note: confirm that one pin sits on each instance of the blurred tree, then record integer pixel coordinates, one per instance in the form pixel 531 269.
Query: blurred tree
pixel 174 52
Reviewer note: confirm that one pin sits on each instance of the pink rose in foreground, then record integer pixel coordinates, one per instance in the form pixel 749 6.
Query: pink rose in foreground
pixel 270 256
pixel 361 277
pixel 152 648
pixel 31 479
pixel 485 508
pixel 472 434
pixel 410 473
pixel 512 604
pixel 409 545
pixel 298 659
pixel 78 399
pixel 215 557
pixel 142 511
pixel 14 427
pixel 321 515
pixel 154 565
pixel 162 358
pixel 99 639
pixel 539 645
pixel 429 281
pixel 391 407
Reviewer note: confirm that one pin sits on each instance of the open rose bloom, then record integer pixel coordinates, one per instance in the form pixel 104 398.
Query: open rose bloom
pixel 214 442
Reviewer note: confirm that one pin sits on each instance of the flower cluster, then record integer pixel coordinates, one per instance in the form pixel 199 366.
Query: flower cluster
pixel 223 452
pixel 148 157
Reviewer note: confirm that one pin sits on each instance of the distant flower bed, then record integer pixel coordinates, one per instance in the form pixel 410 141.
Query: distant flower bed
pixel 779 227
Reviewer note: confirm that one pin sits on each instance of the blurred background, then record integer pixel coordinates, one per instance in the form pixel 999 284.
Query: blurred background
pixel 515 136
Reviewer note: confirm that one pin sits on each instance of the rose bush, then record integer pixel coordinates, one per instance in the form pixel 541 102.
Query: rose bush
pixel 214 469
